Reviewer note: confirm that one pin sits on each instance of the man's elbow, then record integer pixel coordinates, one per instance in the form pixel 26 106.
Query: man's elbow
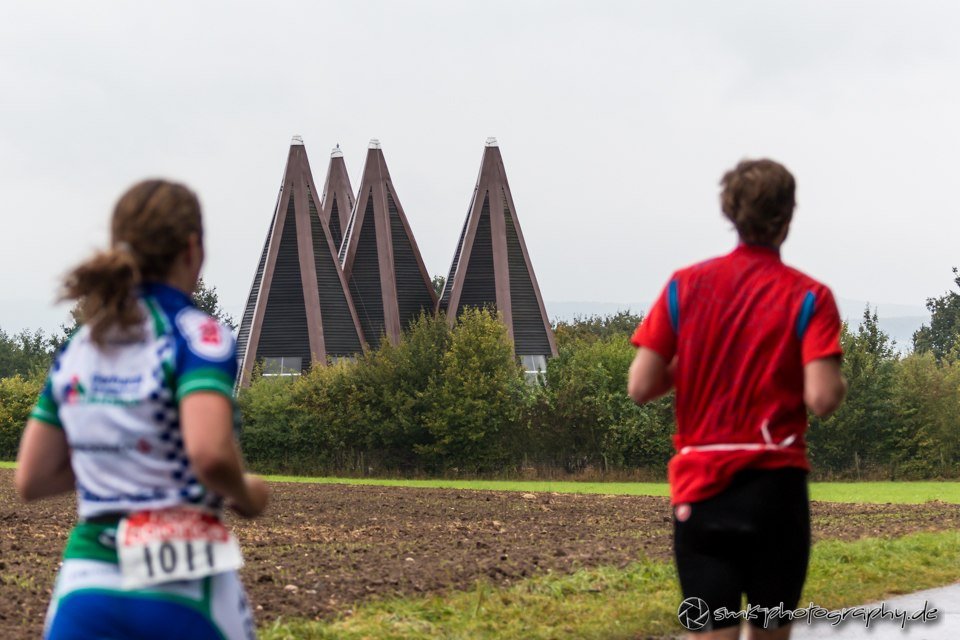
pixel 639 391
pixel 823 402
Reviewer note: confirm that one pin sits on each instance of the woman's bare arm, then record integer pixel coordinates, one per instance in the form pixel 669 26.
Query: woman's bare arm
pixel 43 463
pixel 206 420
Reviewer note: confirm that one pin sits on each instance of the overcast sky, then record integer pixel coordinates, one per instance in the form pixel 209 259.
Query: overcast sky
pixel 615 120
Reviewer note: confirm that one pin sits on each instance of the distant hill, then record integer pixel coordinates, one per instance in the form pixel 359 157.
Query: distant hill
pixel 898 321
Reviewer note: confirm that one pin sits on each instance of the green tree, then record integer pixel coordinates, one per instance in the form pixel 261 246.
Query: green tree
pixel 67 329
pixel 863 432
pixel 941 336
pixel 207 299
pixel 18 394
pixel 584 416
pixel 927 400
pixel 365 415
pixel 268 422
pixel 24 353
pixel 596 327
pixel 438 283
pixel 475 400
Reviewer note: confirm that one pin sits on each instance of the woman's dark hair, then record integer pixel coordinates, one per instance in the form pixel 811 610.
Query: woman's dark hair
pixel 152 223
pixel 758 197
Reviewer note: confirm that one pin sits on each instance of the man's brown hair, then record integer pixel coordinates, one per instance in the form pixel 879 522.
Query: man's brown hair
pixel 758 197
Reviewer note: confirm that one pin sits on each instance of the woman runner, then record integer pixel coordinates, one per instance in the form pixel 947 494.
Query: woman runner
pixel 137 417
pixel 749 344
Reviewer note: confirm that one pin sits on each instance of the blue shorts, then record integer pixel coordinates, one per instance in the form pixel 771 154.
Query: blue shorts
pixel 89 604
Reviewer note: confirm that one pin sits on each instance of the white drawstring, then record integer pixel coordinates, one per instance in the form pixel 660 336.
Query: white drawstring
pixel 767 445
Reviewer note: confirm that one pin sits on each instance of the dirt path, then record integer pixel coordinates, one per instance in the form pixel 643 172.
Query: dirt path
pixel 323 548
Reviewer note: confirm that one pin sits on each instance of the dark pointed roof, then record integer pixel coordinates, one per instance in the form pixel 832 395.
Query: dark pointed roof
pixel 388 281
pixel 491 266
pixel 337 202
pixel 298 306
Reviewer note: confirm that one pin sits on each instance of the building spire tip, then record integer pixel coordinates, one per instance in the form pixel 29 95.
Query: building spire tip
pixel 492 142
pixel 374 143
pixel 336 152
pixel 297 140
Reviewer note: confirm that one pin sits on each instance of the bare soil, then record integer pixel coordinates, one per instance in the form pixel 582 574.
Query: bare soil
pixel 323 548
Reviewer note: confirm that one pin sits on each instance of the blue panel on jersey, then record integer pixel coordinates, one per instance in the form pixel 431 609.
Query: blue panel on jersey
pixel 806 312
pixel 673 304
pixel 205 350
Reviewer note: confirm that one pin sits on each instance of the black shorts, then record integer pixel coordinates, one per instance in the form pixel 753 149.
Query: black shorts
pixel 753 539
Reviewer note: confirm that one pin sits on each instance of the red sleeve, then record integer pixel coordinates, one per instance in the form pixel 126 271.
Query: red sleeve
pixel 656 331
pixel 822 337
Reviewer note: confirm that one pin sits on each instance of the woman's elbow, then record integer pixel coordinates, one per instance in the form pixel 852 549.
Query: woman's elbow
pixel 27 489
pixel 211 464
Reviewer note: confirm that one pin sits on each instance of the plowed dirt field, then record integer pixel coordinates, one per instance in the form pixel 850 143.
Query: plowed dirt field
pixel 323 548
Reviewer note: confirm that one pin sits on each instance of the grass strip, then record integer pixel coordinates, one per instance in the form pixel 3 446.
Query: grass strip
pixel 855 492
pixel 638 601
pixel 862 492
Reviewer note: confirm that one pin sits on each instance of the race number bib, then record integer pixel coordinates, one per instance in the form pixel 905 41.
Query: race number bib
pixel 174 544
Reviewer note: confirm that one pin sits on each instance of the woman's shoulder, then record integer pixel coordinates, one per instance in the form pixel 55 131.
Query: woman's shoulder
pixel 203 334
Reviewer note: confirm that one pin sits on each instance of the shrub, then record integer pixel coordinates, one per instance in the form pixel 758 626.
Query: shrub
pixel 17 397
pixel 584 417
pixel 475 401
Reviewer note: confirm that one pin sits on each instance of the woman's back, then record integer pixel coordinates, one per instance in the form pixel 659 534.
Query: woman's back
pixel 118 405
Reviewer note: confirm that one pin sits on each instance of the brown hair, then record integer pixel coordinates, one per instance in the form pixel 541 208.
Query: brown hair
pixel 758 197
pixel 152 223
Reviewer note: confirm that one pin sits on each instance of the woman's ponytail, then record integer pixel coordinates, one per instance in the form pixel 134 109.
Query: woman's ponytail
pixel 105 286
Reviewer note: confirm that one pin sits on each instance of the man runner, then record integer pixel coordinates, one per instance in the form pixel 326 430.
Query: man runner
pixel 749 344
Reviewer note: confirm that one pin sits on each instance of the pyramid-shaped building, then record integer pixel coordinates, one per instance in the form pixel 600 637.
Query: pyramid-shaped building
pixel 337 202
pixel 380 258
pixel 299 311
pixel 491 266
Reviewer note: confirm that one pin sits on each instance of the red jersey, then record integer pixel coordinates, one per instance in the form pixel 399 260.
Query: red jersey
pixel 742 327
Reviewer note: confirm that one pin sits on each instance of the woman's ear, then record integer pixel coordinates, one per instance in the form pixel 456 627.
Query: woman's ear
pixel 194 253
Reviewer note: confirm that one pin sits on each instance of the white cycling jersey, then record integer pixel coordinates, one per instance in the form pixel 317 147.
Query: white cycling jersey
pixel 118 405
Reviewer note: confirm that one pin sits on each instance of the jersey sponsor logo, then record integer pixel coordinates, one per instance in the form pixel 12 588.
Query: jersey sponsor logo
pixel 205 336
pixel 114 386
pixel 210 333
pixel 74 392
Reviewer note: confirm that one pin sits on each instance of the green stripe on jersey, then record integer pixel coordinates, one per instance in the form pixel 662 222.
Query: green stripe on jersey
pixel 160 325
pixel 92 541
pixel 208 379
pixel 46 411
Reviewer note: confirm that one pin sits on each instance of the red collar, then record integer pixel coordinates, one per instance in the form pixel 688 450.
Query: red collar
pixel 758 250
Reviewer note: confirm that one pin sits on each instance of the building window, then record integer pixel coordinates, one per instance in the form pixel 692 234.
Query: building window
pixel 533 367
pixel 283 366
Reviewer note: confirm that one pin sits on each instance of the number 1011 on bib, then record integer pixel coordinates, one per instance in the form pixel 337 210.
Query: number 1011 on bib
pixel 155 547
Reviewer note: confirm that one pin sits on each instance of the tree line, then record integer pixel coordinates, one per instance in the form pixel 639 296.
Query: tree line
pixel 453 400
